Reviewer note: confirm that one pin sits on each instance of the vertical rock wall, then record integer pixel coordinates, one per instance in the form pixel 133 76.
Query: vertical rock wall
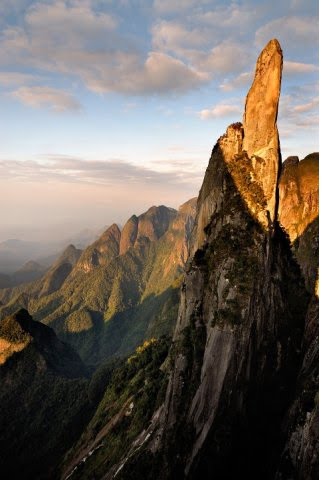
pixel 236 350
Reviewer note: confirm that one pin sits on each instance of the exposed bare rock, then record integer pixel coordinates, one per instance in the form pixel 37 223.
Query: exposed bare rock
pixel 299 194
pixel 210 197
pixel 129 234
pixel 177 236
pixel 251 151
pixel 261 140
pixel 300 458
pixel 153 224
pixel 102 251
pixel 149 226
pixel 236 350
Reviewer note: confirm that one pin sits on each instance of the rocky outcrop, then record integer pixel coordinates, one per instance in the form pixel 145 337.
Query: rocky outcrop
pixel 299 194
pixel 300 457
pixel 101 252
pixel 59 271
pixel 261 140
pixel 149 226
pixel 210 196
pixel 175 242
pixel 298 213
pixel 250 150
pixel 129 234
pixel 238 343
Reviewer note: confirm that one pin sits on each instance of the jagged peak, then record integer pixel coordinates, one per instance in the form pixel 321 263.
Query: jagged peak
pixel 69 255
pixel 31 265
pixel 112 231
pixel 271 48
pixel 188 206
pixel 154 210
pixel 290 161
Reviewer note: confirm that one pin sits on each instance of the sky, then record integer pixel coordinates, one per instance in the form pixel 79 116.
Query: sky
pixel 111 106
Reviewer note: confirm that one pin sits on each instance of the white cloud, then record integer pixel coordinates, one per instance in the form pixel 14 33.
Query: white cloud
pixel 37 97
pixel 199 44
pixel 297 67
pixel 17 78
pixel 61 168
pixel 72 39
pixel 227 57
pixel 296 114
pixel 231 16
pixel 177 6
pixel 220 110
pixel 294 32
pixel 79 38
pixel 307 107
pixel 66 21
pixel 244 79
pixel 160 73
pixel 13 6
pixel 163 72
pixel 172 36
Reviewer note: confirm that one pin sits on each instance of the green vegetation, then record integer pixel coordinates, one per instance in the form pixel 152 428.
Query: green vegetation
pixel 243 174
pixel 44 400
pixel 234 252
pixel 136 388
pixel 107 308
pixel 78 321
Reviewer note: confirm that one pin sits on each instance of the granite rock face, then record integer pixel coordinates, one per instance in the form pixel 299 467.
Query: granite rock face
pixel 261 140
pixel 250 150
pixel 238 346
pixel 299 194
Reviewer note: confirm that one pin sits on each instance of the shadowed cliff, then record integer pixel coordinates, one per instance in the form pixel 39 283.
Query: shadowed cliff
pixel 238 347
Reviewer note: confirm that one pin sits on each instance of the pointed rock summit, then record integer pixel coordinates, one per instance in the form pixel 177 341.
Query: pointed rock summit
pixel 236 349
pixel 261 140
pixel 250 151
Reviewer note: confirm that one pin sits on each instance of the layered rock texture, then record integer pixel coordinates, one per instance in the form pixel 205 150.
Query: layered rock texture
pixel 245 339
pixel 120 290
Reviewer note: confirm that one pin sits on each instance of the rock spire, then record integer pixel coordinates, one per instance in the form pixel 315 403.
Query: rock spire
pixel 261 140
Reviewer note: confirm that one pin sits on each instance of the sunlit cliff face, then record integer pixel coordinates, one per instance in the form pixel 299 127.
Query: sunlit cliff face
pixel 251 150
pixel 256 164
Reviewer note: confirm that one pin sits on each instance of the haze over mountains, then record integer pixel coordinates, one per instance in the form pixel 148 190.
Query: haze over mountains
pixel 14 252
pixel 106 299
pixel 184 344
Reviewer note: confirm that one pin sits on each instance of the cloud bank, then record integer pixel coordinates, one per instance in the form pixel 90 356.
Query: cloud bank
pixel 86 40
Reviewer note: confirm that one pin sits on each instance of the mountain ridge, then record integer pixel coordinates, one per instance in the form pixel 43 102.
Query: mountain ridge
pixel 91 298
pixel 241 335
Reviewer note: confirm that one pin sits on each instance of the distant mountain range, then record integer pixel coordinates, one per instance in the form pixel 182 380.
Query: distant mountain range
pixel 118 291
pixel 184 345
pixel 15 253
